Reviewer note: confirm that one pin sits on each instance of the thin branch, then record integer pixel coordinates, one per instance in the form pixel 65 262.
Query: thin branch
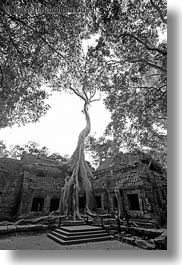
pixel 138 60
pixel 77 93
pixel 159 11
pixel 156 100
pixel 156 67
pixel 2 76
pixel 144 43
pixel 97 99
pixel 41 37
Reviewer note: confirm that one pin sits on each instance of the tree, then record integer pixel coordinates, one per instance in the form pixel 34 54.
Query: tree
pixel 31 147
pixel 100 149
pixel 134 53
pixel 43 44
pixel 3 150
pixel 37 39
pixel 80 172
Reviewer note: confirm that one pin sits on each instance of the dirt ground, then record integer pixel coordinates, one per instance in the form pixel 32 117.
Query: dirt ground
pixel 42 242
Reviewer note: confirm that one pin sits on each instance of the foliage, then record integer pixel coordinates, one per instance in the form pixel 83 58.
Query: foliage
pixel 41 43
pixel 37 39
pixel 99 149
pixel 30 148
pixel 134 55
pixel 3 150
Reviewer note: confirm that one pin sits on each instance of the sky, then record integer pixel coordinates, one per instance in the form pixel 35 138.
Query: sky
pixel 58 130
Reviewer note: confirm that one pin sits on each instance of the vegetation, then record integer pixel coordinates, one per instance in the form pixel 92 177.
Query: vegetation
pixel 42 43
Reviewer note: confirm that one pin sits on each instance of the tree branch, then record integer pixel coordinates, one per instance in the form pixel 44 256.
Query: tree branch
pixel 144 43
pixel 157 99
pixel 41 37
pixel 159 11
pixel 156 67
pixel 1 76
pixel 77 93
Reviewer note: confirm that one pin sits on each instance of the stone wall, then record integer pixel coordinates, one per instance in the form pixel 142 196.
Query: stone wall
pixel 142 184
pixel 32 187
pixel 10 187
pixel 42 182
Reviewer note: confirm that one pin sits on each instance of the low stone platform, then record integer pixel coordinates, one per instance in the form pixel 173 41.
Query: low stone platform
pixel 68 235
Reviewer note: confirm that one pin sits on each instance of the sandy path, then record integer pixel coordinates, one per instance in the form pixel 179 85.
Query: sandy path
pixel 42 242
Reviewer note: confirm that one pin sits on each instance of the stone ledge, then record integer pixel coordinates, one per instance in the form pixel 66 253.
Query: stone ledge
pixel 8 229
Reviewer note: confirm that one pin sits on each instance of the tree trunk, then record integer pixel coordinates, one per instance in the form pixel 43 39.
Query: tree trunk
pixel 80 173
pixel 120 203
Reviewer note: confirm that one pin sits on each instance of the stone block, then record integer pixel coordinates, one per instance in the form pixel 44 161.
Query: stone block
pixel 21 228
pixel 128 240
pixel 3 229
pixel 161 242
pixel 145 244
pixel 45 227
pixel 11 228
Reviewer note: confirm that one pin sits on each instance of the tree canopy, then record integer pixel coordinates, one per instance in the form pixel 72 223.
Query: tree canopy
pixel 41 42
pixel 36 39
pixel 133 50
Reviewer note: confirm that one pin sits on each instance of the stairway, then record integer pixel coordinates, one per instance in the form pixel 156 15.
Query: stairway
pixel 68 235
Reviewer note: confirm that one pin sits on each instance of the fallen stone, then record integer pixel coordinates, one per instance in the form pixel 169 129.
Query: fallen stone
pixel 3 229
pixel 119 236
pixel 21 228
pixel 112 232
pixel 145 244
pixel 161 242
pixel 128 240
pixel 11 228
pixel 45 227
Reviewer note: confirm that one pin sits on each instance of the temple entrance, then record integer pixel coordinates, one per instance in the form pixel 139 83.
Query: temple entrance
pixel 54 205
pixel 37 204
pixel 133 202
pixel 82 203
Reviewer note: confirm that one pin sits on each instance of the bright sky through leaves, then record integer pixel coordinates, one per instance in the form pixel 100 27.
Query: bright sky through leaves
pixel 55 129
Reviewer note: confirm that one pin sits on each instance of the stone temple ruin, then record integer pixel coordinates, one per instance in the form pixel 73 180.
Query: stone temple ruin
pixel 31 187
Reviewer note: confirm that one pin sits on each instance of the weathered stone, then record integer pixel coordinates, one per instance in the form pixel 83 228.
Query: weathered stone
pixel 119 236
pixel 128 240
pixel 3 229
pixel 112 232
pixel 144 244
pixel 129 172
pixel 45 227
pixel 21 228
pixel 161 242
pixel 11 228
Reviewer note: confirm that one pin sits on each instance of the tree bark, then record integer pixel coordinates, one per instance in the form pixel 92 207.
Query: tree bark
pixel 80 173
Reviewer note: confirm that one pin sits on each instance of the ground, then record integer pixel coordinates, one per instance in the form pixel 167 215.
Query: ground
pixel 42 242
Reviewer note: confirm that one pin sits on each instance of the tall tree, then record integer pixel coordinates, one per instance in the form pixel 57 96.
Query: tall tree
pixel 133 49
pixel 42 43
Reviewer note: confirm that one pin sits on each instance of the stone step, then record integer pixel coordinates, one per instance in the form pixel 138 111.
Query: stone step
pixel 78 234
pixel 78 241
pixel 80 228
pixel 71 222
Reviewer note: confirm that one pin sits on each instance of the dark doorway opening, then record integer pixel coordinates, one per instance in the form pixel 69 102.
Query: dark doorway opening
pixel 115 202
pixel 37 204
pixel 54 205
pixel 98 201
pixel 133 202
pixel 81 202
